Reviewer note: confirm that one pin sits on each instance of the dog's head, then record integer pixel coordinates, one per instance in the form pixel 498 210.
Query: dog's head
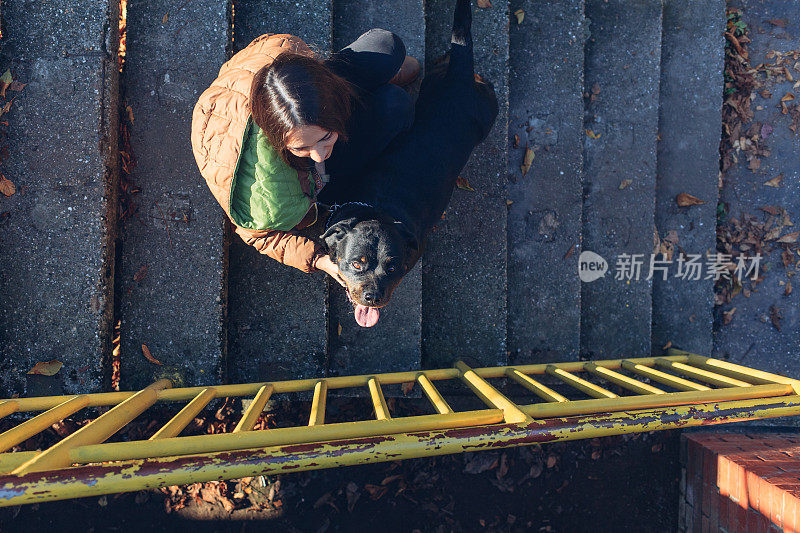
pixel 373 253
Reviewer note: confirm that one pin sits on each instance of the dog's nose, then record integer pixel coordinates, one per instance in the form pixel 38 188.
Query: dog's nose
pixel 370 298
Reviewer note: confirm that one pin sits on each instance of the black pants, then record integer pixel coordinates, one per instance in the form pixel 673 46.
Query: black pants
pixel 384 110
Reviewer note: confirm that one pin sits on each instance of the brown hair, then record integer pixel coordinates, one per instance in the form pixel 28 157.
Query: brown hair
pixel 294 91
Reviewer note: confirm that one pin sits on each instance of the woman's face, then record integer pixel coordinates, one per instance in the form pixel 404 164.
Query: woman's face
pixel 311 141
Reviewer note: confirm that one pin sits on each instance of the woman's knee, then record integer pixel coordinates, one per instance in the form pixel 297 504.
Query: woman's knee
pixel 385 42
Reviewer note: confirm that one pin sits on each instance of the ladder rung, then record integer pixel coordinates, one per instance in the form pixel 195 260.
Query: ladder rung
pixel 378 401
pixel 178 422
pixel 490 395
pixel 317 416
pixel 662 377
pixel 95 432
pixel 740 372
pixel 439 403
pixel 587 387
pixel 39 423
pixel 622 380
pixel 542 391
pixel 254 410
pixel 7 407
pixel 703 375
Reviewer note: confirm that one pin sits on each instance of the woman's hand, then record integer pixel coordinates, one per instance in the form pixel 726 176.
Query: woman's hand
pixel 324 263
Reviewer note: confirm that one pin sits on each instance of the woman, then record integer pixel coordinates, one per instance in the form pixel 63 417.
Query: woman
pixel 278 122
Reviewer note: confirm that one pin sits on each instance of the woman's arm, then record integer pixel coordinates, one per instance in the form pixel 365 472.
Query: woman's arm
pixel 286 247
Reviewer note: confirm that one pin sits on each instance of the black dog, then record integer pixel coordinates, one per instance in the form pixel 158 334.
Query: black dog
pixel 378 236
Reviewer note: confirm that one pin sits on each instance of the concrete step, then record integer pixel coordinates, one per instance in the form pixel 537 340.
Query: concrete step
pixel 622 72
pixel 751 338
pixel 544 220
pixel 57 230
pixel 692 60
pixel 464 265
pixel 178 307
pixel 277 314
pixel 393 344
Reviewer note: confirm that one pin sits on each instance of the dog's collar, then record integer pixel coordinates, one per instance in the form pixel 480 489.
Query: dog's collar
pixel 336 207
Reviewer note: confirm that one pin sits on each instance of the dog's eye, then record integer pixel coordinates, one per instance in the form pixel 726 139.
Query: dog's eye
pixel 356 265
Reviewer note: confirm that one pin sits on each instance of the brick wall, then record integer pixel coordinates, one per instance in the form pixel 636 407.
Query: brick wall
pixel 740 483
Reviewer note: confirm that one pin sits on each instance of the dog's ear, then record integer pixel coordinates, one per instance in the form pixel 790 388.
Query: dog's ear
pixel 334 235
pixel 412 244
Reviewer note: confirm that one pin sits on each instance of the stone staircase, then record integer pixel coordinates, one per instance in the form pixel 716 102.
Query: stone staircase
pixel 618 100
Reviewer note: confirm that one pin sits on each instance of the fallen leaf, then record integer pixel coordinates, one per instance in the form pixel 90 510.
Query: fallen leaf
pixel 7 186
pixel 766 130
pixel 482 462
pixel 551 461
pixel 5 81
pixel 592 134
pixel 569 252
pixel 624 183
pixel 774 182
pixel 790 237
pixel 46 368
pixel 376 492
pixel 727 316
pixel 755 164
pixel 787 97
pixel 140 274
pixel 129 110
pixel 771 209
pixel 16 86
pixel 407 387
pixel 164 20
pixel 775 317
pixel 788 290
pixel 520 14
pixel 527 161
pixel 781 23
pixel 685 200
pixel 503 470
pixel 484 3
pixel 516 141
pixel 352 495
pixel 339 330
pixel 463 184
pixel 149 356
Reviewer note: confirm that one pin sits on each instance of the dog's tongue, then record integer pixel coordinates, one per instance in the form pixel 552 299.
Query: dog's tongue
pixel 366 316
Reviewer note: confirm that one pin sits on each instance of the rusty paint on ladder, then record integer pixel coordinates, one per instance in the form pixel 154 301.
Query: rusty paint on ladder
pixel 27 477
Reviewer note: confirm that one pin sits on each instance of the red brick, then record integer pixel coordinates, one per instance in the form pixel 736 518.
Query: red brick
pixel 753 482
pixel 737 517
pixel 767 469
pixel 694 460
pixel 711 506
pixel 722 511
pixel 709 467
pixel 705 526
pixel 791 513
pixel 756 522
pixel 696 518
pixel 723 465
pixel 737 482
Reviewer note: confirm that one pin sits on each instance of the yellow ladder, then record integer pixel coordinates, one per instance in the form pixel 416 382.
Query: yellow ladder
pixel 617 396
